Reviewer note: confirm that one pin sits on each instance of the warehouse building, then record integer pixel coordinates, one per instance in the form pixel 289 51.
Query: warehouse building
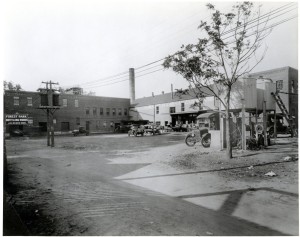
pixel 104 114
pixel 95 113
pixel 176 108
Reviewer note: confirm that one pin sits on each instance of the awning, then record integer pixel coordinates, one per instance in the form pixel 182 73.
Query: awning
pixel 185 112
pixel 206 115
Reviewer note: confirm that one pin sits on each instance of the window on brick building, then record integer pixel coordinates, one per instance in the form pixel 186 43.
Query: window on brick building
pixel 76 103
pixel 157 109
pixel 125 112
pixel 65 102
pixel 87 111
pixel 101 111
pixel 113 111
pixel 107 111
pixel 120 112
pixel 29 101
pixel 94 111
pixel 16 100
pixel 182 106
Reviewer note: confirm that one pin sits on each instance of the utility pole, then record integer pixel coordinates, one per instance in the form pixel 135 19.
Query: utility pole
pixel 50 108
pixel 265 123
pixel 243 126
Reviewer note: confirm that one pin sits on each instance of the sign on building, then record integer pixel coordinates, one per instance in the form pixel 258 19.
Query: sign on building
pixel 16 119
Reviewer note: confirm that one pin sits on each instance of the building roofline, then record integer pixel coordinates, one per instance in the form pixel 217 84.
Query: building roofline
pixel 63 94
pixel 274 69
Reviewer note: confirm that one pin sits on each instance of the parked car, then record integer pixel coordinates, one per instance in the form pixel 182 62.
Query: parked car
pixel 151 129
pixel 181 128
pixel 280 127
pixel 17 133
pixel 136 130
pixel 80 130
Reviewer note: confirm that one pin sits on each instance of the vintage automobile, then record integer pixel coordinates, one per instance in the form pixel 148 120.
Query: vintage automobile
pixel 181 128
pixel 17 133
pixel 80 130
pixel 151 129
pixel 280 127
pixel 136 130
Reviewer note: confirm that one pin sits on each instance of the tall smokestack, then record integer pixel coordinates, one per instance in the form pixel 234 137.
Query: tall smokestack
pixel 172 96
pixel 131 85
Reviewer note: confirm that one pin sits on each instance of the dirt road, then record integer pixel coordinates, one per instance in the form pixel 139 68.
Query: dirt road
pixel 73 189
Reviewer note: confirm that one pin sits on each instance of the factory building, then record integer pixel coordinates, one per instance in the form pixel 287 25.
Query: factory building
pixel 104 114
pixel 95 113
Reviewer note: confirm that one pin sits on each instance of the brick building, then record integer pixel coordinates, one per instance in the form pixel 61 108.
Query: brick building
pixel 96 113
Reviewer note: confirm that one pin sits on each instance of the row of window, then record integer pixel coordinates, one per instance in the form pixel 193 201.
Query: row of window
pixel 17 101
pixel 114 111
pixel 98 123
pixel 108 111
pixel 172 109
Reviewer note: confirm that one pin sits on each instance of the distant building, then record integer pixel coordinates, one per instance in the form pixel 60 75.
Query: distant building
pixel 95 113
pixel 175 108
pixel 104 114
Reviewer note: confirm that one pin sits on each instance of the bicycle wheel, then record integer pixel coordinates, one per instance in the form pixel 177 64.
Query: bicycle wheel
pixel 190 140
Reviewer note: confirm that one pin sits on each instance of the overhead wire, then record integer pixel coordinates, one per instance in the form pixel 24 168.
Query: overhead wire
pixel 112 78
pixel 272 26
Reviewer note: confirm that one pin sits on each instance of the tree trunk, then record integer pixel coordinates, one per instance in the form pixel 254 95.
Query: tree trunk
pixel 228 130
pixel 228 137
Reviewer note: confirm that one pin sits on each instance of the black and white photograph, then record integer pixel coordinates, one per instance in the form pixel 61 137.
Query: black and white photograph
pixel 149 118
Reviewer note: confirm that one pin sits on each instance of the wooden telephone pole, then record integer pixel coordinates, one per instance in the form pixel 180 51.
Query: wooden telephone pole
pixel 50 107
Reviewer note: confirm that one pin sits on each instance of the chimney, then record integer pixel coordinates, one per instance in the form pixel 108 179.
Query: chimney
pixel 163 92
pixel 131 85
pixel 152 94
pixel 172 96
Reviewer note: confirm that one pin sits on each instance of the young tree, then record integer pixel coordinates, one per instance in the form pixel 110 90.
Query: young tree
pixel 222 56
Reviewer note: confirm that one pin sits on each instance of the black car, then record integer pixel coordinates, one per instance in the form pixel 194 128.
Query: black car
pixel 80 130
pixel 280 127
pixel 136 130
pixel 17 133
pixel 151 129
pixel 181 128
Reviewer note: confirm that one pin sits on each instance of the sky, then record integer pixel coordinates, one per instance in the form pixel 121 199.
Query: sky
pixel 87 43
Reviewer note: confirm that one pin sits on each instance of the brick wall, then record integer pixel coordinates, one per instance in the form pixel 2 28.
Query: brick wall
pixel 70 116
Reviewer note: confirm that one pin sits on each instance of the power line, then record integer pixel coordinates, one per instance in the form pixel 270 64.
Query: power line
pixel 257 19
pixel 272 26
pixel 112 78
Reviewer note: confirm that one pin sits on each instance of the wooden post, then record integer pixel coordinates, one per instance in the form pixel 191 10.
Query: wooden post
pixel 52 130
pixel 48 128
pixel 243 126
pixel 275 125
pixel 265 124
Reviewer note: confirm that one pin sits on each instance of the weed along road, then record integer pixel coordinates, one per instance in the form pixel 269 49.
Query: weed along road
pixel 151 185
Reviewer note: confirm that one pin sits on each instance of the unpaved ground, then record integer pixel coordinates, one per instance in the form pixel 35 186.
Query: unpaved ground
pixel 245 165
pixel 53 188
